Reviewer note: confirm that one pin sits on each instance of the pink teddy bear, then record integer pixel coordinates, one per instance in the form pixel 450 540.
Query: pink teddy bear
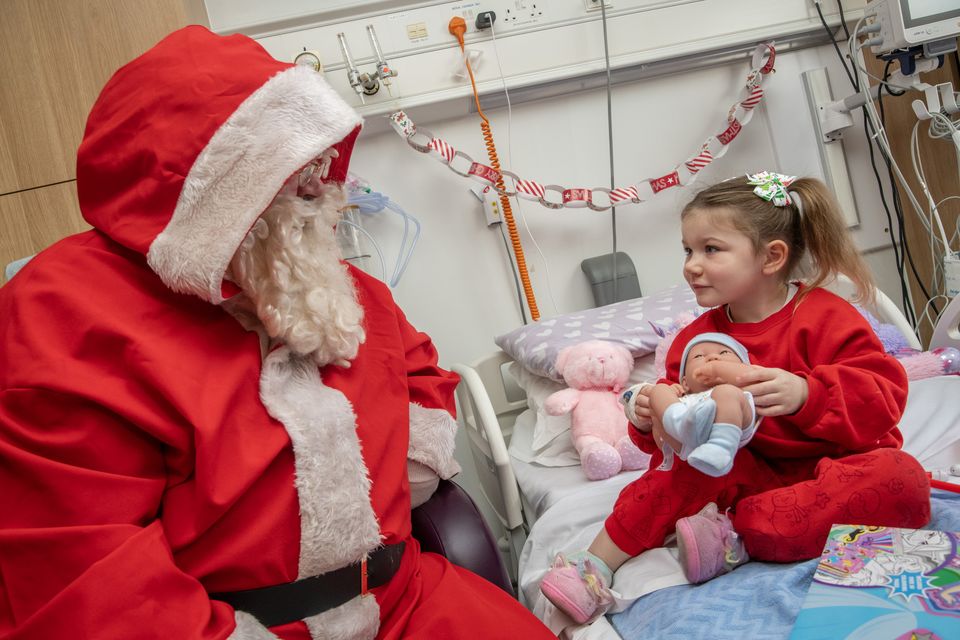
pixel 595 372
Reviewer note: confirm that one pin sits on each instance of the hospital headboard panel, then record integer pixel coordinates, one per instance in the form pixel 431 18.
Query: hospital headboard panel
pixel 490 402
pixel 883 308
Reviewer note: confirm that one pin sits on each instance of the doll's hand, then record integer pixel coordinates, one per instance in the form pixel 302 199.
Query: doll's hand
pixel 642 407
pixel 775 392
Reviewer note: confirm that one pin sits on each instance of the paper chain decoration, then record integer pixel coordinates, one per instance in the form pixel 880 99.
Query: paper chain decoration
pixel 714 147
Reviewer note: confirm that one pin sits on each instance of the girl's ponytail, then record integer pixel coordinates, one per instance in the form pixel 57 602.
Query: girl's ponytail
pixel 828 241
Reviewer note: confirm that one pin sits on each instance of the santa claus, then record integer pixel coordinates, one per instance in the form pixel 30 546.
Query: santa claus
pixel 211 426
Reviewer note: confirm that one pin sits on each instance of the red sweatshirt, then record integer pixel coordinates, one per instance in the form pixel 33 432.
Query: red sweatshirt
pixel 857 392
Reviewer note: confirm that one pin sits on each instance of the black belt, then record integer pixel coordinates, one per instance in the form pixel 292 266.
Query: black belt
pixel 283 603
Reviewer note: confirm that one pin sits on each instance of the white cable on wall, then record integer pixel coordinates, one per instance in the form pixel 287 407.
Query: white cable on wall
pixel 516 199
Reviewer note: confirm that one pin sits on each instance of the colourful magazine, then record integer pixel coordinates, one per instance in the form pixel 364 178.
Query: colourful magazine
pixel 883 583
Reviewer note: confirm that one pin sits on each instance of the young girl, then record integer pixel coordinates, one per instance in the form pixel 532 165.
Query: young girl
pixel 828 449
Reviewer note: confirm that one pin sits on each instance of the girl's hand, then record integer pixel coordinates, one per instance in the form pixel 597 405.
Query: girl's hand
pixel 710 374
pixel 775 392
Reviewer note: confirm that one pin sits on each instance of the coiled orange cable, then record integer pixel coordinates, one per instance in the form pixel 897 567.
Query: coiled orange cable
pixel 457 28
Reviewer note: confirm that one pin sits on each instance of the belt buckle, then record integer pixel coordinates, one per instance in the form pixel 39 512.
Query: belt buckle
pixel 363 577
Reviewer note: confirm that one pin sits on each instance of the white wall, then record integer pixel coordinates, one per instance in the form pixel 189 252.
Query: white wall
pixel 458 287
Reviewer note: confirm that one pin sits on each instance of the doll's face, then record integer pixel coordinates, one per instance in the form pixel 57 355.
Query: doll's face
pixel 703 353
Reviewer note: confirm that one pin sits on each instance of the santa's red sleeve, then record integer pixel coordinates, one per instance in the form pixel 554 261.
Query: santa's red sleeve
pixel 81 549
pixel 433 426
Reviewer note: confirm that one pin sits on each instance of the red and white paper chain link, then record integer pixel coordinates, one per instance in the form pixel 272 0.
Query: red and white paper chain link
pixel 598 198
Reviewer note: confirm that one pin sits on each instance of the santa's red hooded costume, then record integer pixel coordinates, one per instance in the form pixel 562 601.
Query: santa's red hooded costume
pixel 151 453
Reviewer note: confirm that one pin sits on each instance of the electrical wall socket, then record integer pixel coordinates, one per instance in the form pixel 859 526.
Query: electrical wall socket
pixel 490 202
pixel 594 5
pixel 491 207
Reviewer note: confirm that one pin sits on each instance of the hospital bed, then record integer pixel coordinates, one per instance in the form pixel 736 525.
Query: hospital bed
pixel 545 508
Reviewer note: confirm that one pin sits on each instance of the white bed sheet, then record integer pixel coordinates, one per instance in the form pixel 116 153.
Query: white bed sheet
pixel 571 510
pixel 544 486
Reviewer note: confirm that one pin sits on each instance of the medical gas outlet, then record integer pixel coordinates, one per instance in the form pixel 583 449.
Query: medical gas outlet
pixel 366 84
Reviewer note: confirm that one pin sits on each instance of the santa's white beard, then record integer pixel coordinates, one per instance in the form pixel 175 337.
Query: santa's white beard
pixel 289 267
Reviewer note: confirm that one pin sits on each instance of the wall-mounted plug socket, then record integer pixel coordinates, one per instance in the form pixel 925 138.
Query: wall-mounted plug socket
pixel 490 201
pixel 594 5
pixel 485 19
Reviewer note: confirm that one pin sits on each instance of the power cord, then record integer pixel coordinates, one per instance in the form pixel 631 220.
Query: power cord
pixel 897 238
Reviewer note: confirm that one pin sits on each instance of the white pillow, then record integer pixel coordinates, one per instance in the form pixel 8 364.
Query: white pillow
pixel 536 345
pixel 551 444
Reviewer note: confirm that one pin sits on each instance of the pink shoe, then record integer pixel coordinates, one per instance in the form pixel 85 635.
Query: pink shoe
pixel 576 589
pixel 708 545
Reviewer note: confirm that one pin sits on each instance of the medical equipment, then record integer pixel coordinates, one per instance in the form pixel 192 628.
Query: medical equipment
pixel 909 23
pixel 352 239
pixel 310 59
pixel 384 71
pixel 362 200
pixel 535 37
pixel 362 84
pixel 914 34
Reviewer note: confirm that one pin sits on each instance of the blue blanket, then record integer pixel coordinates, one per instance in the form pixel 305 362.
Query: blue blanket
pixel 758 600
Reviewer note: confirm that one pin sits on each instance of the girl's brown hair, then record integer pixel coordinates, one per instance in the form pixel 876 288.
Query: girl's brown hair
pixel 819 229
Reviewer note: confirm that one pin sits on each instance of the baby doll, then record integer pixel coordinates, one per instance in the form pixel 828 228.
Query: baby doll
pixel 706 418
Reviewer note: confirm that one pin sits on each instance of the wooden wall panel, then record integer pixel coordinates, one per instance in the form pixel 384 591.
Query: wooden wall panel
pixel 56 57
pixel 33 220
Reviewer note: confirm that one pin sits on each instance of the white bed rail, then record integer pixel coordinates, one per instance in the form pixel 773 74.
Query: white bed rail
pixel 883 308
pixel 490 402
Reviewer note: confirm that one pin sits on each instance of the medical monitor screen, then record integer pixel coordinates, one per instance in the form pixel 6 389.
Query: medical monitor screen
pixel 918 12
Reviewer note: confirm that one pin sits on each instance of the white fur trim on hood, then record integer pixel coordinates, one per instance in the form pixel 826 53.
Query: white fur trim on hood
pixel 432 440
pixel 286 123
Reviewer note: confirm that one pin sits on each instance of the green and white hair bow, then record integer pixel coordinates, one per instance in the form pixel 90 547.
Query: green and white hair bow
pixel 772 187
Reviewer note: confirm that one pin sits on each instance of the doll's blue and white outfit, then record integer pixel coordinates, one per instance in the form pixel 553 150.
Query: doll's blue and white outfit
pixel 706 446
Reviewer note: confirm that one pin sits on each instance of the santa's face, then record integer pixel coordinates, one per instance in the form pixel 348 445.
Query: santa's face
pixel 290 268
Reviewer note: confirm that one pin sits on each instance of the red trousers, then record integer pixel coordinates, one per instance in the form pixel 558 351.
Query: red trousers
pixel 782 509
